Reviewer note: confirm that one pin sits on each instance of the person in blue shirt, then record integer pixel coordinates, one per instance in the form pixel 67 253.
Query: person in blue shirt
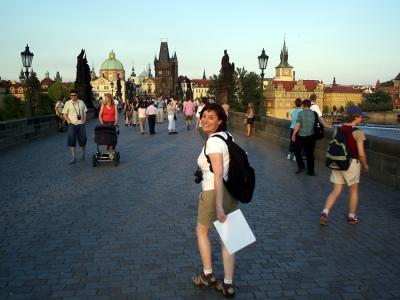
pixel 293 115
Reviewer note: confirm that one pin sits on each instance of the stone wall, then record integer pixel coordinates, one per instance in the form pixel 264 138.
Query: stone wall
pixel 23 130
pixel 383 154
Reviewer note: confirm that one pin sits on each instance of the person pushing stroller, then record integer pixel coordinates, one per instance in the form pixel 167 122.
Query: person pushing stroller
pixel 108 115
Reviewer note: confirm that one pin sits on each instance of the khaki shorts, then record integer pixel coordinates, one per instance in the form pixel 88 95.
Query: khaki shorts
pixel 188 118
pixel 350 176
pixel 207 213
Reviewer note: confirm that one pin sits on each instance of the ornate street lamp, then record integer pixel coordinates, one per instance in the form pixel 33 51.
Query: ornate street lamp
pixel 27 57
pixel 262 63
pixel 112 89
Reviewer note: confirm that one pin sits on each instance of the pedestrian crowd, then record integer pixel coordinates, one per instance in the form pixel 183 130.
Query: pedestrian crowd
pixel 211 120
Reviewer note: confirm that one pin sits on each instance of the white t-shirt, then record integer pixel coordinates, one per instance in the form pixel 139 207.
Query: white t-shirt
pixel 141 112
pixel 151 110
pixel 314 107
pixel 73 110
pixel 214 145
pixel 199 109
pixel 59 107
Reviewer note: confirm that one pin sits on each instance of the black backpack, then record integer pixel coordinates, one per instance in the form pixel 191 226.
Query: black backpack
pixel 318 128
pixel 241 176
pixel 339 154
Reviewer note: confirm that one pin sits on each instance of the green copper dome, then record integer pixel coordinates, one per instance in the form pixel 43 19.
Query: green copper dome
pixel 111 63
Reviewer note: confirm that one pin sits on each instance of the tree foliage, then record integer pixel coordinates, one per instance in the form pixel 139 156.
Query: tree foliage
pixel 12 108
pixel 32 92
pixel 378 101
pixel 248 89
pixel 57 90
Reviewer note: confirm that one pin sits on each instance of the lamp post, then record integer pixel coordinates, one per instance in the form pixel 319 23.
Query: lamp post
pixel 112 89
pixel 262 63
pixel 27 57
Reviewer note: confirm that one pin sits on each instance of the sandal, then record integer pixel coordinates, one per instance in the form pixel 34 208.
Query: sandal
pixel 228 290
pixel 202 279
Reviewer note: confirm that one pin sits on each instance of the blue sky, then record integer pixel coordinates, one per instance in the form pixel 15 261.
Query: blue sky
pixel 356 41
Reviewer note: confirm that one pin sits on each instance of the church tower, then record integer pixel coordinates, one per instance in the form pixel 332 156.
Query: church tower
pixel 166 72
pixel 284 71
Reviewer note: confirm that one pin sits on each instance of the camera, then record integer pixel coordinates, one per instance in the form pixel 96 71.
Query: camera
pixel 79 117
pixel 198 175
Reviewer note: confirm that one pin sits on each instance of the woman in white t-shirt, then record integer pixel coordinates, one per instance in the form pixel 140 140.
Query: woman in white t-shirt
pixel 214 201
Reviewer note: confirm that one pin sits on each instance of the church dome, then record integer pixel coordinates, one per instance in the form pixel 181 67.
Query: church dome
pixel 111 63
pixel 144 74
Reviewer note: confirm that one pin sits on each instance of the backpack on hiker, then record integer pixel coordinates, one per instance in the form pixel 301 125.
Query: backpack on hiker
pixel 342 149
pixel 318 128
pixel 241 176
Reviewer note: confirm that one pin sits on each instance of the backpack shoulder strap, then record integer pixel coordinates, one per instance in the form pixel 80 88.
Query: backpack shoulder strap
pixel 205 146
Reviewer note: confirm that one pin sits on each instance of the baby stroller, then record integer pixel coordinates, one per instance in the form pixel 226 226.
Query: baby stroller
pixel 105 135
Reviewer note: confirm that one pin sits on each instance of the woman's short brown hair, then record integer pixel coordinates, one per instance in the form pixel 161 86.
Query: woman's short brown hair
pixel 219 111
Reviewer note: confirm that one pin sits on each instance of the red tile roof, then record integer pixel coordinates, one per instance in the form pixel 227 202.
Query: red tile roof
pixel 342 89
pixel 201 82
pixel 310 85
pixel 46 81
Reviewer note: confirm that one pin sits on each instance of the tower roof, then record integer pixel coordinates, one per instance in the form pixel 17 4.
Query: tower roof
pixel 112 63
pixel 164 52
pixel 284 57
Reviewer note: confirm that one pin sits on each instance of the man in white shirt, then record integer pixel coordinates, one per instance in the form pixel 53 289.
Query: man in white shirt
pixel 314 106
pixel 151 113
pixel 75 114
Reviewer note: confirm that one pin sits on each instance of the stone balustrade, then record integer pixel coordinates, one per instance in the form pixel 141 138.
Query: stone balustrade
pixel 383 154
pixel 13 132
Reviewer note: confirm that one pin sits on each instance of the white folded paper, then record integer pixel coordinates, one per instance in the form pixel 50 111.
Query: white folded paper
pixel 235 232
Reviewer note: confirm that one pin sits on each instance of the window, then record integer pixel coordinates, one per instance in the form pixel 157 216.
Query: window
pixel 20 90
pixel 160 72
pixel 12 90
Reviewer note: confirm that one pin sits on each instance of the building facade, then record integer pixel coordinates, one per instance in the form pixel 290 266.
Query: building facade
pixel 111 70
pixel 102 86
pixel 336 97
pixel 200 88
pixel 391 87
pixel 166 72
pixel 46 83
pixel 281 91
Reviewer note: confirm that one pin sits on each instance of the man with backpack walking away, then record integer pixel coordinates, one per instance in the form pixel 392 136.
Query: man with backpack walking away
pixel 346 156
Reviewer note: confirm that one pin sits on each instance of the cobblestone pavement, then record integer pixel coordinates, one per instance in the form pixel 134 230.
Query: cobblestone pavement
pixel 127 232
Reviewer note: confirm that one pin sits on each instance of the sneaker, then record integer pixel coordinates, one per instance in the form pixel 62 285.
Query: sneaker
pixel 72 161
pixel 294 158
pixel 289 157
pixel 354 220
pixel 323 219
pixel 201 279
pixel 227 290
pixel 82 157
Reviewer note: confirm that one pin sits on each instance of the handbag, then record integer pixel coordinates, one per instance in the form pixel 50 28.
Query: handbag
pixel 245 120
pixel 318 128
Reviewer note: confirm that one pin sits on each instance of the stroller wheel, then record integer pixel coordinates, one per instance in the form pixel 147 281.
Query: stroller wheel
pixel 116 158
pixel 94 160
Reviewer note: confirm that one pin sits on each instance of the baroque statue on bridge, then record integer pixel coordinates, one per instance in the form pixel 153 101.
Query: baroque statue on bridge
pixel 225 88
pixel 82 82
